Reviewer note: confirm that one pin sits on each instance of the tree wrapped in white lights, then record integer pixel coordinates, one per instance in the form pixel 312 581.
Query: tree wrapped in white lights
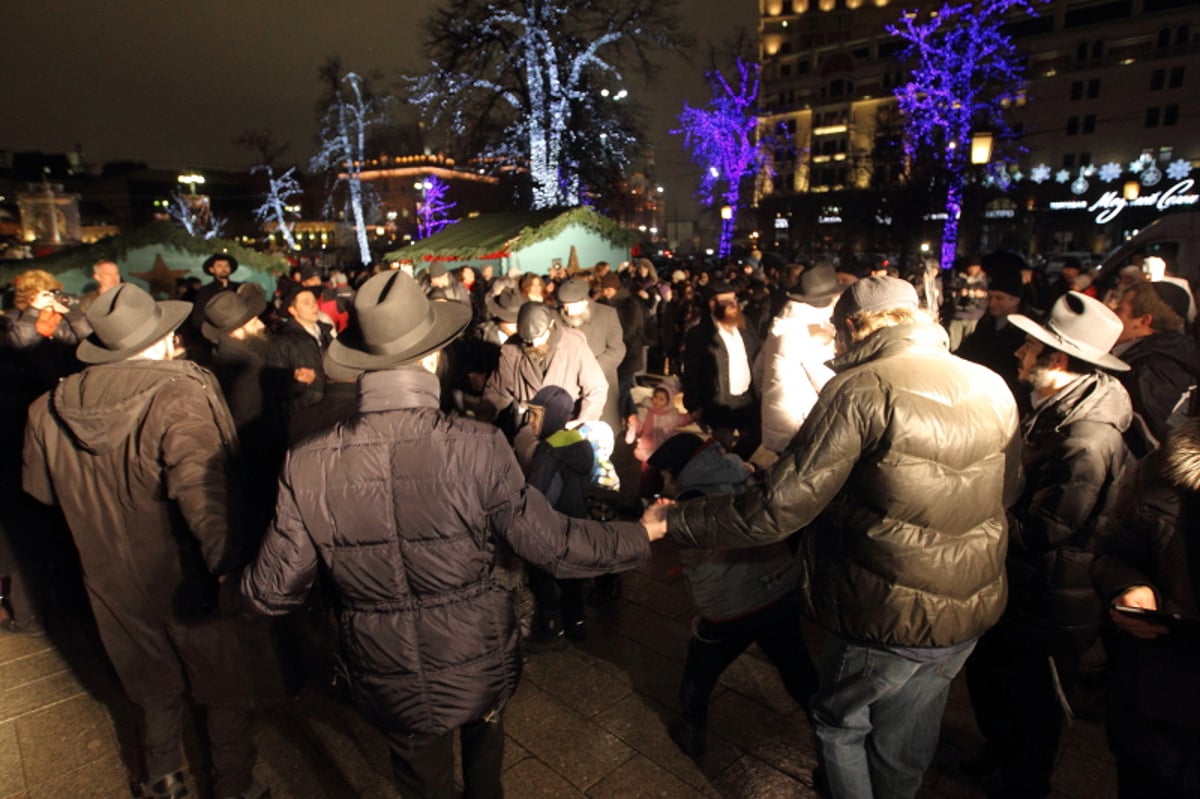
pixel 964 71
pixel 518 81
pixel 281 189
pixel 342 145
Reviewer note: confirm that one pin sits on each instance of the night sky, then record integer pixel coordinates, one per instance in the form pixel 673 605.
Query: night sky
pixel 172 83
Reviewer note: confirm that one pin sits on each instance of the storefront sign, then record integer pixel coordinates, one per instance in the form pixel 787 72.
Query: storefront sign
pixel 1111 203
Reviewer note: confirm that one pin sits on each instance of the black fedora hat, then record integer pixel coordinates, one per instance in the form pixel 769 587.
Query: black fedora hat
pixel 220 256
pixel 818 285
pixel 126 320
pixel 229 310
pixel 506 305
pixel 1082 327
pixel 394 325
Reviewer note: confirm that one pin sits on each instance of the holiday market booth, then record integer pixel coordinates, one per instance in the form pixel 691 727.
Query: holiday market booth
pixel 154 258
pixel 527 241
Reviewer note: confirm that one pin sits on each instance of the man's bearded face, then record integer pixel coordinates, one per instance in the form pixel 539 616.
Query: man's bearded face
pixel 727 311
pixel 576 314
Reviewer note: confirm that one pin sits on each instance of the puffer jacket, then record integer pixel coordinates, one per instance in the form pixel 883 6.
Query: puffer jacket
pixel 1154 540
pixel 901 475
pixel 404 508
pixel 791 370
pixel 1073 454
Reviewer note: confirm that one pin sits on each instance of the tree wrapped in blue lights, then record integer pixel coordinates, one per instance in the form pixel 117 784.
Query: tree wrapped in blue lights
pixel 964 71
pixel 723 140
pixel 526 83
pixel 432 215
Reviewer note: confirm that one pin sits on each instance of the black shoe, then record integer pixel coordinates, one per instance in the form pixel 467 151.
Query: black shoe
pixel 168 786
pixel 689 738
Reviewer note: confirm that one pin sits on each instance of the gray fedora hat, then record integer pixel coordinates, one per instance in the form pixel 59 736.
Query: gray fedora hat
pixel 394 324
pixel 229 310
pixel 126 320
pixel 818 285
pixel 1080 326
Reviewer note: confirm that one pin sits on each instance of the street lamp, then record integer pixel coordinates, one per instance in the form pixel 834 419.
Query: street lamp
pixel 727 212
pixel 981 148
pixel 191 179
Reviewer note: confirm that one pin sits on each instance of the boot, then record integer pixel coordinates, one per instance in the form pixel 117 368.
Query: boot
pixel 689 737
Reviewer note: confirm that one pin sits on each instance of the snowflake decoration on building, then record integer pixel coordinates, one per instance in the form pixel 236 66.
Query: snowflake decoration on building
pixel 1017 177
pixel 1110 171
pixel 1180 169
pixel 1137 166
pixel 1079 185
pixel 1150 176
pixel 1062 176
pixel 1040 173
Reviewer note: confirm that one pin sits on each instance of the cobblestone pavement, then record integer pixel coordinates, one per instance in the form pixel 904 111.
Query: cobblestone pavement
pixel 587 721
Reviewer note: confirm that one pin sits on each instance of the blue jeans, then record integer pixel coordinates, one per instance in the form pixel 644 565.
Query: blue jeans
pixel 877 716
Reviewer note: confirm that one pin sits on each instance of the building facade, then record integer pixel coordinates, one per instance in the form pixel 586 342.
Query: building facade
pixel 1107 119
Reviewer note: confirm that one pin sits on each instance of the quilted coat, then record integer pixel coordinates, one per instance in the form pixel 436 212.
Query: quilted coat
pixel 404 508
pixel 899 478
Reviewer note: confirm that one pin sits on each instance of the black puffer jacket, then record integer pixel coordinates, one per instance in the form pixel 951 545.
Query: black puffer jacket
pixel 1073 454
pixel 900 474
pixel 404 507
pixel 1154 540
pixel 1162 368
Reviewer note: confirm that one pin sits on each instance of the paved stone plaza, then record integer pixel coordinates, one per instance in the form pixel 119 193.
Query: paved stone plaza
pixel 587 721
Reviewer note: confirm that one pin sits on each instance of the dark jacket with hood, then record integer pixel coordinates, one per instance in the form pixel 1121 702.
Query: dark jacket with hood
pixel 137 454
pixel 1154 540
pixel 900 474
pixel 1163 367
pixel 405 508
pixel 1074 452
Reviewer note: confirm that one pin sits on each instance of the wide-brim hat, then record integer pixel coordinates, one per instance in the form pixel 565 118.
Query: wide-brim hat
pixel 1080 326
pixel 394 325
pixel 229 310
pixel 818 285
pixel 506 305
pixel 126 320
pixel 220 256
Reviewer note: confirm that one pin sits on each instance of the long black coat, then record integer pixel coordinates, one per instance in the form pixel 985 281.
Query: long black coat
pixel 706 372
pixel 405 507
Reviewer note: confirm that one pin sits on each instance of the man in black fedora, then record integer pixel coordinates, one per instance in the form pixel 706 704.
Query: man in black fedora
pixel 406 509
pixel 1073 454
pixel 220 266
pixel 136 451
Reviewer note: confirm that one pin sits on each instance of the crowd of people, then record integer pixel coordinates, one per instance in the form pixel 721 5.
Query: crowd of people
pixel 947 470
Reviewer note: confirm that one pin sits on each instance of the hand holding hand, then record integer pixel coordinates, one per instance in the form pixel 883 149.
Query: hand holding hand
pixel 1140 596
pixel 655 519
pixel 305 375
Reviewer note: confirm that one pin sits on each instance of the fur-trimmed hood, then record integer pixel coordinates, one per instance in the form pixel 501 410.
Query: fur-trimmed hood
pixel 1182 455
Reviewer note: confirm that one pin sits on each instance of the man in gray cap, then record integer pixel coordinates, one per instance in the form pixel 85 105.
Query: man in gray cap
pixel 601 326
pixel 897 482
pixel 1073 455
pixel 406 509
pixel 136 450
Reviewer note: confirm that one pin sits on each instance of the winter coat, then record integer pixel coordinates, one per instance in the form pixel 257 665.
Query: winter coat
pixel 295 348
pixel 632 316
pixel 656 426
pixel 561 468
pixel 404 508
pixel 1163 367
pixel 900 475
pixel 571 366
pixel 994 344
pixel 1073 454
pixel 706 373
pixel 606 340
pixel 727 584
pixel 791 370
pixel 138 455
pixel 1154 540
